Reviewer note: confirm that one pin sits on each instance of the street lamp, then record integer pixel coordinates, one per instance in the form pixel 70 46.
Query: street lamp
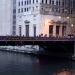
pixel 68 17
pixel 72 25
pixel 59 17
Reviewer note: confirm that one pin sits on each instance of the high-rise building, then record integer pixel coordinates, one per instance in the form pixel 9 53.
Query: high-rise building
pixel 45 17
pixel 5 17
pixel 13 17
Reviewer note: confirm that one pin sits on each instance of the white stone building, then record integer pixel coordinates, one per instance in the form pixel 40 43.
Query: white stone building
pixel 37 17
pixel 47 17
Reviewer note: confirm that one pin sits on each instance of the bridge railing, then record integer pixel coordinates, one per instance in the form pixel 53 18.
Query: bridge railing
pixel 34 38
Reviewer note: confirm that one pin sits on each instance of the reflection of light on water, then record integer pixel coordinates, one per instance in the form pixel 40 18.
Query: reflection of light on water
pixel 37 60
pixel 64 73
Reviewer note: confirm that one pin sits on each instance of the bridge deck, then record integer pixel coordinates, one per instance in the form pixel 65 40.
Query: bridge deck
pixel 18 38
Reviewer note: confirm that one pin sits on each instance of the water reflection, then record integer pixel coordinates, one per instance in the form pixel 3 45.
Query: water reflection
pixel 20 64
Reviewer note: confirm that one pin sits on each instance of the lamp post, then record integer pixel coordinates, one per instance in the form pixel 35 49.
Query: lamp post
pixel 72 28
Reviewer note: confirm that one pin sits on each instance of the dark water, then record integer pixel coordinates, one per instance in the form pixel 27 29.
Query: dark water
pixel 20 64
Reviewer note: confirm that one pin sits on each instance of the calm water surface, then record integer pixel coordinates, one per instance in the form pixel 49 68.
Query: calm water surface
pixel 20 64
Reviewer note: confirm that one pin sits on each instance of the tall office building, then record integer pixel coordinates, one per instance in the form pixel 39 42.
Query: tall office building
pixel 47 17
pixel 5 17
pixel 13 17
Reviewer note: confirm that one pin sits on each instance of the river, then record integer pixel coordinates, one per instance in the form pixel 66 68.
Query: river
pixel 21 64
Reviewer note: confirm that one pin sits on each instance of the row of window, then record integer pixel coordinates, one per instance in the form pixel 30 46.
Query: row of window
pixel 21 10
pixel 65 3
pixel 27 30
pixel 56 9
pixel 50 2
pixel 26 2
pixel 46 1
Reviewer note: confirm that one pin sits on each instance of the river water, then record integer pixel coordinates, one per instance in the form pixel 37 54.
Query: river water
pixel 21 64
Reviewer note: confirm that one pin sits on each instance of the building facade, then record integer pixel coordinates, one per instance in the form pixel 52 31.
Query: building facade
pixel 5 17
pixel 13 5
pixel 37 17
pixel 45 17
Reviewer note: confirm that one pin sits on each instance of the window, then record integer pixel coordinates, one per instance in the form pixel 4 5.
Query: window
pixel 18 10
pixel 62 10
pixel 14 10
pixel 18 3
pixel 29 1
pixel 27 30
pixel 20 29
pixel 50 30
pixel 46 1
pixel 21 9
pixel 14 16
pixel 52 2
pixel 14 22
pixel 22 3
pixel 25 2
pixel 57 30
pixel 34 27
pixel 37 7
pixel 27 9
pixel 62 3
pixel 33 8
pixel 42 1
pixel 49 1
pixel 14 27
pixel 33 1
pixel 24 9
pixel 57 3
pixel 36 1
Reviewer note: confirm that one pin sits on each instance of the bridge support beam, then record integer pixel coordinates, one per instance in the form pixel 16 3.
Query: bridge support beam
pixel 59 49
pixel 74 48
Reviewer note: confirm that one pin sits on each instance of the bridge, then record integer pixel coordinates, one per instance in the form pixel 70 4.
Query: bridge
pixel 17 40
pixel 51 45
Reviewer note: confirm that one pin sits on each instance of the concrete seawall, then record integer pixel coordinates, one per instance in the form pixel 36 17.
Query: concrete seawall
pixel 20 49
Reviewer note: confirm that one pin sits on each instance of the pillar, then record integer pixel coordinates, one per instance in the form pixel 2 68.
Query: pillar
pixel 74 48
pixel 54 30
pixel 60 31
pixel 74 51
